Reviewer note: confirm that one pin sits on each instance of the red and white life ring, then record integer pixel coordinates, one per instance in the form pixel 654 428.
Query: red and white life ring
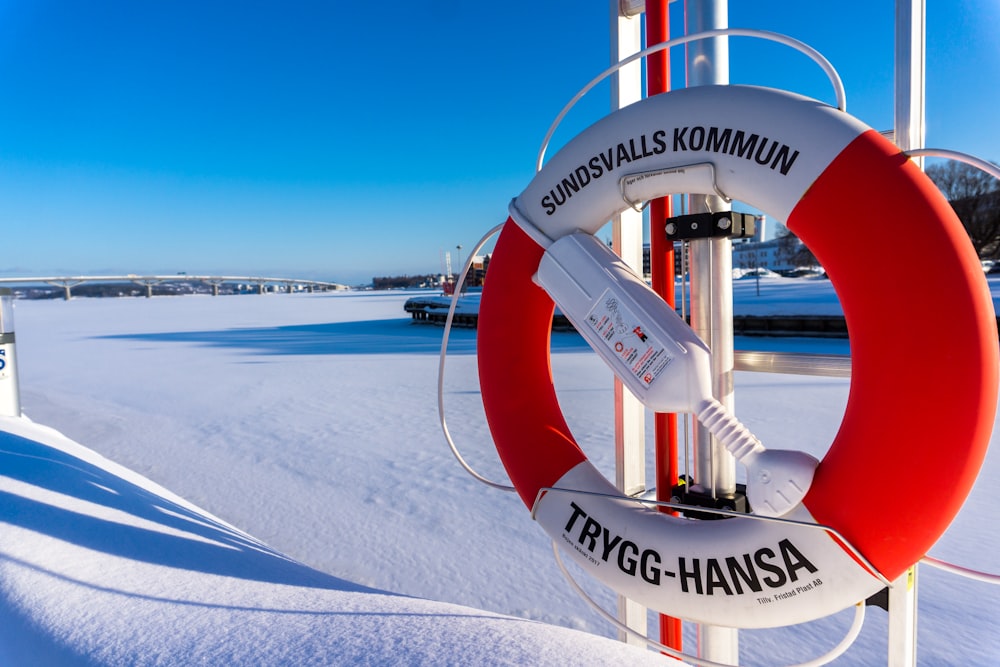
pixel 924 364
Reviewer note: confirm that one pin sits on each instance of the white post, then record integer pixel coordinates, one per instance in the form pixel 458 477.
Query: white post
pixel 908 133
pixel 908 117
pixel 903 620
pixel 10 394
pixel 711 262
pixel 630 431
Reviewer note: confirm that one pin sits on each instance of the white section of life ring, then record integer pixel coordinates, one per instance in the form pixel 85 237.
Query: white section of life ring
pixel 752 144
pixel 749 573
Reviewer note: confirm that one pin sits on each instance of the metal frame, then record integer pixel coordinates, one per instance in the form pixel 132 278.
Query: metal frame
pixel 711 293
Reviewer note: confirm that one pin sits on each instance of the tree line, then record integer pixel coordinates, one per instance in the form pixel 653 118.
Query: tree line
pixel 975 196
pixel 405 282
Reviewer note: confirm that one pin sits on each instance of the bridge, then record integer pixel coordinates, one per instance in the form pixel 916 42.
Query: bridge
pixel 67 283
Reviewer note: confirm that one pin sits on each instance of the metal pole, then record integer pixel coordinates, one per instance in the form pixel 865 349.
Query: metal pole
pixel 908 116
pixel 712 301
pixel 10 393
pixel 908 133
pixel 630 415
pixel 661 268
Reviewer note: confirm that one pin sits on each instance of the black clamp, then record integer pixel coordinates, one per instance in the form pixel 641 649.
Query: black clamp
pixel 710 225
pixel 688 494
pixel 880 599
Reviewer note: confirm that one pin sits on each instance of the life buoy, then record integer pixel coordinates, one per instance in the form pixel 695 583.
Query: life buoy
pixel 924 363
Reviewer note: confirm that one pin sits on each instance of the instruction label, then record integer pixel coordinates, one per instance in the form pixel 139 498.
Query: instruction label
pixel 624 333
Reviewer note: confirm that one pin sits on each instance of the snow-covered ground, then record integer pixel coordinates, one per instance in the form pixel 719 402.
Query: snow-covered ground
pixel 310 423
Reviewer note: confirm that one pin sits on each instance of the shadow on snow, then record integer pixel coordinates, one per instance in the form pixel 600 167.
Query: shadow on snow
pixel 399 336
pixel 122 519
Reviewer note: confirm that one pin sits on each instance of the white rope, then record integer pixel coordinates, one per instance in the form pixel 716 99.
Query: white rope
pixel 826 658
pixel 673 653
pixel 994 171
pixel 968 573
pixel 845 643
pixel 979 163
pixel 816 56
pixel 444 353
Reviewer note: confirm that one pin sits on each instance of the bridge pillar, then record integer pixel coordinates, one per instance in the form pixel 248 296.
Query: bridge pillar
pixel 66 285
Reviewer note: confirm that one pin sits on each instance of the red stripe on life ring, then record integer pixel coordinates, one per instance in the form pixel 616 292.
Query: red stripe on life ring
pixel 924 353
pixel 515 373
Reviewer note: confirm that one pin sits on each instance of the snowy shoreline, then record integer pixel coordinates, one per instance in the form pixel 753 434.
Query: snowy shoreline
pixel 309 422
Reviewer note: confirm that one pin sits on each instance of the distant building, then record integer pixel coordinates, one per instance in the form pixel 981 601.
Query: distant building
pixel 775 254
pixel 477 272
pixel 475 278
pixel 762 255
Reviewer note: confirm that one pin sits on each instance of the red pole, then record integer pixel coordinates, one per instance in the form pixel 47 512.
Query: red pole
pixel 661 266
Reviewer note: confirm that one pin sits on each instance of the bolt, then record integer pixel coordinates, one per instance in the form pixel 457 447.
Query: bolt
pixel 671 228
pixel 725 223
pixel 694 225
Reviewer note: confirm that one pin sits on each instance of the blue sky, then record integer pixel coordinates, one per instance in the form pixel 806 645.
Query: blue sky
pixel 310 139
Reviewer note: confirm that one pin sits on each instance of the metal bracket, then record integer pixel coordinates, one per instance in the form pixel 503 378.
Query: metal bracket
pixel 710 225
pixel 686 493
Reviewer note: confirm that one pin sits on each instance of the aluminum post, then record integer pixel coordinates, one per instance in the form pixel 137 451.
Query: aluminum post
pixel 712 300
pixel 908 133
pixel 630 415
